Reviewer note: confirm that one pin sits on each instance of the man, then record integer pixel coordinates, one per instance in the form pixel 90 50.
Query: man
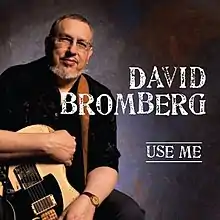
pixel 31 94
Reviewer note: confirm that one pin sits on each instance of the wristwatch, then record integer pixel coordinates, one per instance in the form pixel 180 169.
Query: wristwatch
pixel 93 198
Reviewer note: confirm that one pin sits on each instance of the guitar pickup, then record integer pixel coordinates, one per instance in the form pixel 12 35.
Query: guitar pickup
pixel 43 204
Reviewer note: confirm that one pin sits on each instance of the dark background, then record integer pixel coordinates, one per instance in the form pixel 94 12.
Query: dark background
pixel 141 33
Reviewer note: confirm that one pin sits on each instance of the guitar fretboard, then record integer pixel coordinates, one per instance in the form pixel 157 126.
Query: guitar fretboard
pixel 27 175
pixel 31 181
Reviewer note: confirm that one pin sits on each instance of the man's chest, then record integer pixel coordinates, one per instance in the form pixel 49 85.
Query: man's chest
pixel 37 107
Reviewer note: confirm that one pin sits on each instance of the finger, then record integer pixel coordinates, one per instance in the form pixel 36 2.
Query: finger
pixel 68 163
pixel 62 216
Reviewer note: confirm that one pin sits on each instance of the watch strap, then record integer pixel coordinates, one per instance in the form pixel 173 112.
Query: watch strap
pixel 93 198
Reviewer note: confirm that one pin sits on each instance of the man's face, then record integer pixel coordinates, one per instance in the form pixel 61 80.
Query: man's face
pixel 71 49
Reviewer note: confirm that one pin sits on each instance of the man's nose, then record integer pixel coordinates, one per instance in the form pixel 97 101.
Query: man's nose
pixel 72 48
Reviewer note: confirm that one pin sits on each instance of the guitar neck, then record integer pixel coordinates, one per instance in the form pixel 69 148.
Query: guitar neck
pixel 27 175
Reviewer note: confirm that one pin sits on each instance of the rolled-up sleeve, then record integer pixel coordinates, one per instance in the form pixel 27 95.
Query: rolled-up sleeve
pixel 103 139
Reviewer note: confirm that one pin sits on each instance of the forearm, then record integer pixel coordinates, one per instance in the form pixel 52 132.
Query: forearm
pixel 101 181
pixel 13 144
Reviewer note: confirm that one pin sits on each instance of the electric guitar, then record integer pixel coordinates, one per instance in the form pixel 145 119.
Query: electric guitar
pixel 40 191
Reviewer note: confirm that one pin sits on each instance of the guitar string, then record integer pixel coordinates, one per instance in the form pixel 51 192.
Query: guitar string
pixel 25 178
pixel 39 191
pixel 34 194
pixel 21 169
pixel 31 191
pixel 30 176
pixel 46 202
pixel 39 186
pixel 29 181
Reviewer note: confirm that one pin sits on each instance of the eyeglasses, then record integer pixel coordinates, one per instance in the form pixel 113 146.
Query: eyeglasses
pixel 66 42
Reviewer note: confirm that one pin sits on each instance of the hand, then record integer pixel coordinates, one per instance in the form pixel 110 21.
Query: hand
pixel 61 146
pixel 80 209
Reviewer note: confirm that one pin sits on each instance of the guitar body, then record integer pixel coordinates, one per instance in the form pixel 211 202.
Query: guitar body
pixel 41 191
pixel 6 210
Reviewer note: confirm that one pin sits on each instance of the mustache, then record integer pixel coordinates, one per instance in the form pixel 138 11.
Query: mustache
pixel 71 58
pixel 70 55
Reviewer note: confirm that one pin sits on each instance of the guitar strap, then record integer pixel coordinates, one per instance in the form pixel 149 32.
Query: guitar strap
pixel 83 88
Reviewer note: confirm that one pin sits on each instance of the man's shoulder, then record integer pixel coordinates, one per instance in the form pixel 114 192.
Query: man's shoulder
pixel 22 71
pixel 96 88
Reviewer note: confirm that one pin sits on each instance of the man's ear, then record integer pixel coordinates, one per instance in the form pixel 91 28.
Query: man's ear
pixel 89 54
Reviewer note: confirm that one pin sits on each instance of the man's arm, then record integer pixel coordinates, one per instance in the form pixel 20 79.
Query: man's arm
pixel 59 145
pixel 103 155
pixel 103 160
pixel 101 181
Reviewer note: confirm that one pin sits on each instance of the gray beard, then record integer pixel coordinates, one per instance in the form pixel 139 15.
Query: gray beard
pixel 63 73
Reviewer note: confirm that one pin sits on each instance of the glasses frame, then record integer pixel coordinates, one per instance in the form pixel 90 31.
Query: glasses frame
pixel 67 42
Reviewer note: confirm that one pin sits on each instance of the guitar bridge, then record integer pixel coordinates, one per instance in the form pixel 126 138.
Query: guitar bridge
pixel 43 204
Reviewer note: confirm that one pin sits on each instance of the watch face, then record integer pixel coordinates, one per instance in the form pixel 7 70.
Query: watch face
pixel 95 200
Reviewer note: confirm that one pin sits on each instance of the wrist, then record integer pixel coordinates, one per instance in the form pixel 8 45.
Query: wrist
pixel 87 200
pixel 43 143
pixel 94 200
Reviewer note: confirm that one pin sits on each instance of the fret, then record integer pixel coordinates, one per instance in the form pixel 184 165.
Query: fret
pixel 27 175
